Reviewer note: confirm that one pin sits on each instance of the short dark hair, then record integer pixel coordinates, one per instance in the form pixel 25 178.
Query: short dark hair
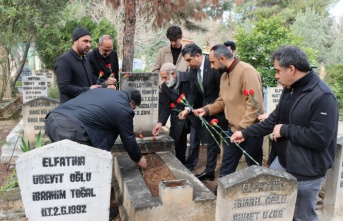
pixel 174 32
pixel 192 49
pixel 221 50
pixel 134 95
pixel 230 44
pixel 291 55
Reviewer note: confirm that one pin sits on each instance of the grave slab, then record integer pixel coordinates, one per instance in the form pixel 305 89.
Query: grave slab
pixel 256 193
pixel 65 181
pixel 188 200
pixel 333 200
pixel 11 149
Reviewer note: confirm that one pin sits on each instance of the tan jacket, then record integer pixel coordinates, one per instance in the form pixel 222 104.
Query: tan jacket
pixel 165 55
pixel 239 109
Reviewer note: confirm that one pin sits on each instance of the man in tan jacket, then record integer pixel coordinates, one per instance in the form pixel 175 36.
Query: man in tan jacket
pixel 240 110
pixel 172 52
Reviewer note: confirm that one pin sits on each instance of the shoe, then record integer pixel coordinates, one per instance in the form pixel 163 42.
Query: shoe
pixel 205 176
pixel 113 213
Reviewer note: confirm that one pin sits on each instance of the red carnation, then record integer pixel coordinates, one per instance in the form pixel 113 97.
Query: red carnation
pixel 154 139
pixel 182 96
pixel 127 75
pixel 251 92
pixel 112 75
pixel 179 101
pixel 214 122
pixel 101 74
pixel 108 66
pixel 172 105
pixel 140 135
pixel 246 92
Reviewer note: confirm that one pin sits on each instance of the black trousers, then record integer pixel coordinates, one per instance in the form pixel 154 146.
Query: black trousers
pixel 59 127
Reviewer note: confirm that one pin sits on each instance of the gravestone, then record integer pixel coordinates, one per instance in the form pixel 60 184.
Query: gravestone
pixel 333 200
pixel 256 193
pixel 26 72
pixel 272 97
pixel 65 181
pixel 34 87
pixel 146 115
pixel 49 74
pixel 34 112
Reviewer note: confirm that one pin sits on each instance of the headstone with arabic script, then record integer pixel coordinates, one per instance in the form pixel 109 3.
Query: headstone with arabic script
pixel 65 181
pixel 146 115
pixel 256 193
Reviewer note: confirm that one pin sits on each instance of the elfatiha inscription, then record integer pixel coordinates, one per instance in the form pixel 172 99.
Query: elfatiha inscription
pixel 63 161
pixel 262 186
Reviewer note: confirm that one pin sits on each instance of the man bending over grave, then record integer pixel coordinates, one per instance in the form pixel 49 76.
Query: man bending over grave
pixel 96 118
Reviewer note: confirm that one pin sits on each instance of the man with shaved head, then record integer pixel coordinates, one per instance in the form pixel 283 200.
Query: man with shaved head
pixel 174 83
pixel 103 56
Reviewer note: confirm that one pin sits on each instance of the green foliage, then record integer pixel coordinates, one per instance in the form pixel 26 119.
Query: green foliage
pixel 53 92
pixel 27 147
pixel 316 32
pixel 334 78
pixel 10 182
pixel 256 46
pixel 56 39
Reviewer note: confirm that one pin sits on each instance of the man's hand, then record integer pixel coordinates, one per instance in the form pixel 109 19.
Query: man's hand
pixel 95 86
pixel 237 137
pixel 276 131
pixel 156 130
pixel 262 117
pixel 111 81
pixel 183 114
pixel 199 112
pixel 112 87
pixel 142 162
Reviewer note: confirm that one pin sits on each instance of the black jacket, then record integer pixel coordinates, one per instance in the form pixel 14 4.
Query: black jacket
pixel 98 64
pixel 104 114
pixel 170 95
pixel 311 132
pixel 74 75
pixel 211 86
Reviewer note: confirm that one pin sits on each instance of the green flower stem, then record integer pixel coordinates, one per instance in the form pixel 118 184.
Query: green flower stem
pixel 97 81
pixel 204 122
pixel 244 152
pixel 147 150
pixel 255 104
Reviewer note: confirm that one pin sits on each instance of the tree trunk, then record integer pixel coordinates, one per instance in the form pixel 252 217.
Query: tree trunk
pixel 129 35
pixel 15 77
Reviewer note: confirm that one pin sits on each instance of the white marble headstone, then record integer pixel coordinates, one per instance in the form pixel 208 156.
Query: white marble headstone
pixel 34 87
pixel 256 193
pixel 65 181
pixel 272 97
pixel 146 115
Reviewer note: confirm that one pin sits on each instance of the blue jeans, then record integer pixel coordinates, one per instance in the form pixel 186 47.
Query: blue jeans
pixel 232 153
pixel 305 206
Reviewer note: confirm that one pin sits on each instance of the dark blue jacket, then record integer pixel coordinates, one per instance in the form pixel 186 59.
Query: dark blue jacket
pixel 104 114
pixel 311 132
pixel 74 75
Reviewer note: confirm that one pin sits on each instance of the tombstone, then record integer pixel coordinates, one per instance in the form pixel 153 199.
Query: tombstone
pixel 34 87
pixel 333 200
pixel 256 193
pixel 34 113
pixel 272 97
pixel 49 74
pixel 65 181
pixel 26 72
pixel 146 115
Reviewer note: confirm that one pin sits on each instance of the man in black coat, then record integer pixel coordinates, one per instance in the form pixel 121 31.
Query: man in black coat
pixel 204 90
pixel 73 70
pixel 104 58
pixel 174 84
pixel 96 118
